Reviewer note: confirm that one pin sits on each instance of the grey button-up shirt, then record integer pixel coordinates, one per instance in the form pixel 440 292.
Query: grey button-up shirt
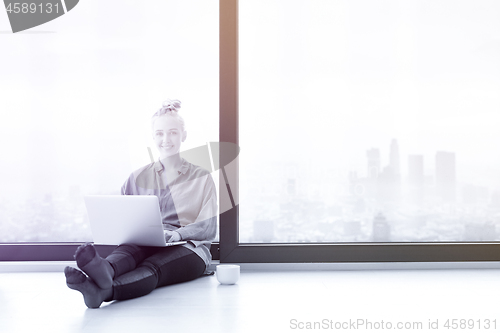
pixel 188 203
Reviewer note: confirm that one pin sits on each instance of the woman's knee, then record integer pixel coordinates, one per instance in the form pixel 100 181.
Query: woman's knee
pixel 139 282
pixel 182 269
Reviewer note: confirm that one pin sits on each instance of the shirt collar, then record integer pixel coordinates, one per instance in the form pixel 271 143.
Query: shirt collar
pixel 182 169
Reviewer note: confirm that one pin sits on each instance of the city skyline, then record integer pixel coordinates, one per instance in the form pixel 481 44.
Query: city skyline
pixel 388 200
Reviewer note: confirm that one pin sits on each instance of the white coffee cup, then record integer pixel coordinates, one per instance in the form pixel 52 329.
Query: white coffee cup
pixel 228 274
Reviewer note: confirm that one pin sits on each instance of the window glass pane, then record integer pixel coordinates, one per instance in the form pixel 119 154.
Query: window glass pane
pixel 77 96
pixel 369 120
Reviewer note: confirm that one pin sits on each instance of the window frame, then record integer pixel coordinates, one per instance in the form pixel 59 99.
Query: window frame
pixel 58 251
pixel 231 251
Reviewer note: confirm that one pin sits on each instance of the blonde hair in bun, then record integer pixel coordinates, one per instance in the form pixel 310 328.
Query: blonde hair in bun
pixel 170 107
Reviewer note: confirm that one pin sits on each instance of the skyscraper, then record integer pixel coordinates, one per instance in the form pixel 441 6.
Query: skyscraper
pixel 416 177
pixel 381 229
pixel 373 156
pixel 263 231
pixel 389 181
pixel 394 162
pixel 416 169
pixel 446 182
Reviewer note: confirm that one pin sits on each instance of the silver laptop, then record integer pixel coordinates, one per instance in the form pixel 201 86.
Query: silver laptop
pixel 119 219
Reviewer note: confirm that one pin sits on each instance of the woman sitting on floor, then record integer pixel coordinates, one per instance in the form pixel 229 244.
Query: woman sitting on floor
pixel 188 205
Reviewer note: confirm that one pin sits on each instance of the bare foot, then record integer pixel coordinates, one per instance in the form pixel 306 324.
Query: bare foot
pixel 93 296
pixel 98 269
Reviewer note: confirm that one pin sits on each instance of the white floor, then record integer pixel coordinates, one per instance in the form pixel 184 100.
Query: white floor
pixel 262 301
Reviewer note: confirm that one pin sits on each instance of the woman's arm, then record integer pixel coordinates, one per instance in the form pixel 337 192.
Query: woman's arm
pixel 204 228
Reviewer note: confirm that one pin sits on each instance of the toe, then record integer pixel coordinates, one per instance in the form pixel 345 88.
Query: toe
pixel 74 276
pixel 84 254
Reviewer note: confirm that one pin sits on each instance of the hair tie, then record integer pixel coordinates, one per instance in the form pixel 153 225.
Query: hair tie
pixel 170 106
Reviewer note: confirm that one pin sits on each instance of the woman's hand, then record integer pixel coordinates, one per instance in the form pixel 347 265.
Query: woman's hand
pixel 171 236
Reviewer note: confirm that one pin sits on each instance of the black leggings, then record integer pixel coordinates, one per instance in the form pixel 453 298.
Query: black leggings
pixel 141 269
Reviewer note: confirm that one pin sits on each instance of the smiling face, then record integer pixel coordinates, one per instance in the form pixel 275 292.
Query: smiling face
pixel 168 135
